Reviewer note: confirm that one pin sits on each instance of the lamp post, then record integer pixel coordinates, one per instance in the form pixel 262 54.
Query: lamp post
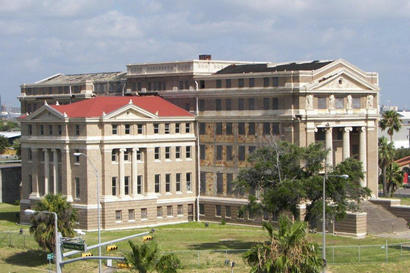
pixel 325 176
pixel 98 205
pixel 57 251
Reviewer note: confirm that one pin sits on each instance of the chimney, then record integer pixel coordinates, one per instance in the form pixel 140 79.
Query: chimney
pixel 205 57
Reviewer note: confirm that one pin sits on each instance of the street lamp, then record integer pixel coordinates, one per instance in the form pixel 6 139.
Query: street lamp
pixel 325 176
pixel 57 238
pixel 98 205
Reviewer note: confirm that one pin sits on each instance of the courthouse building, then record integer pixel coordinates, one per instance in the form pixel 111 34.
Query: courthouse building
pixel 144 150
pixel 240 106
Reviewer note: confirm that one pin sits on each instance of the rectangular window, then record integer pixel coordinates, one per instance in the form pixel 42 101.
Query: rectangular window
pixel 178 182
pixel 168 182
pixel 218 128
pixel 356 102
pixel 156 153
pixel 30 129
pixel 166 128
pixel 29 154
pixel 201 209
pixel 41 129
pixel 251 104
pixel 339 103
pixel 275 103
pixel 178 152
pixel 77 188
pixel 275 128
pixel 241 104
pixel 203 182
pixel 251 82
pixel 218 83
pixel 322 102
pixel 139 155
pixel 156 128
pixel 202 128
pixel 202 84
pixel 229 128
pixel 180 85
pixel 167 152
pixel 228 83
pixel 139 184
pixel 126 155
pixel 251 149
pixel 169 211
pixel 114 186
pixel 131 215
pixel 188 177
pixel 202 149
pixel 275 81
pixel 114 129
pixel 159 211
pixel 241 128
pixel 60 130
pixel 126 185
pixel 241 156
pixel 241 82
pixel 265 82
pixel 229 179
pixel 228 104
pixel 50 130
pixel 218 152
pixel 177 126
pixel 227 211
pixel 251 128
pixel 77 130
pixel 157 183
pixel 127 129
pixel 218 210
pixel 266 128
pixel 218 105
pixel 118 215
pixel 144 213
pixel 219 183
pixel 180 210
pixel 187 127
pixel 229 156
pixel 139 129
pixel 266 103
pixel 30 183
pixel 77 158
pixel 201 105
pixel 188 152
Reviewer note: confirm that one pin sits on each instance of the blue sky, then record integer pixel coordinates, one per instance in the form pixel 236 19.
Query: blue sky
pixel 39 38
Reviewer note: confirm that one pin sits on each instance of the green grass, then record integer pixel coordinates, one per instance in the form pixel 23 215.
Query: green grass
pixel 201 249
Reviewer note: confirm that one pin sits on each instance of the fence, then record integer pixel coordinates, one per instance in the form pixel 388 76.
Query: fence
pixel 17 240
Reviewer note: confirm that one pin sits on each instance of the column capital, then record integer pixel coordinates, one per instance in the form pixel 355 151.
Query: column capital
pixel 122 150
pixel 44 149
pixel 134 149
pixel 328 129
pixel 348 129
pixel 363 129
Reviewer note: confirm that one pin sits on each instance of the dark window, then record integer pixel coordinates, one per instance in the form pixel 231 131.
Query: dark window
pixel 178 152
pixel 228 83
pixel 229 179
pixel 167 182
pixel 118 215
pixel 218 152
pixel 201 209
pixel 187 127
pixel 218 210
pixel 241 82
pixel 156 153
pixel 218 105
pixel 156 128
pixel 139 128
pixel 266 103
pixel 126 155
pixel 77 187
pixel 219 183
pixel 202 128
pixel 229 156
pixel 228 104
pixel 218 83
pixel 251 82
pixel 127 129
pixel 177 125
pixel 275 128
pixel 77 130
pixel 60 130
pixel 201 105
pixel 188 181
pixel 139 184
pixel 188 152
pixel 180 85
pixel 50 130
pixel 219 128
pixel 227 211
pixel 114 129
pixel 127 185
pixel 114 155
pixel 159 211
pixel 157 183
pixel 201 84
pixel 114 186
pixel 251 149
pixel 275 103
pixel 202 150
pixel 241 128
pixel 251 128
pixel 241 156
pixel 30 129
pixel 266 128
pixel 41 129
pixel 251 104
pixel 241 104
pixel 275 81
pixel 187 85
pixel 229 128
pixel 166 128
pixel 167 152
pixel 178 182
pixel 138 154
pixel 265 82
pixel 203 182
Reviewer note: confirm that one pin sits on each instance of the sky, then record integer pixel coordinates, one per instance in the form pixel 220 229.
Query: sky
pixel 39 38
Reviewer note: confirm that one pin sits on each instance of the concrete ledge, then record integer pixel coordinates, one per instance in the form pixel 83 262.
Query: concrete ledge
pixel 394 206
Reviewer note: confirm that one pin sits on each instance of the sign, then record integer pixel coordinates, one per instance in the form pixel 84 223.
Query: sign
pixel 74 246
pixel 50 256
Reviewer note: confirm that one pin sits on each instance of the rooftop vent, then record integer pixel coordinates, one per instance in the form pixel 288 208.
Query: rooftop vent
pixel 205 57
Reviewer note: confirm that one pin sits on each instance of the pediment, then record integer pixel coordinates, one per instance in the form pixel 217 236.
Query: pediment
pixel 130 112
pixel 343 81
pixel 46 113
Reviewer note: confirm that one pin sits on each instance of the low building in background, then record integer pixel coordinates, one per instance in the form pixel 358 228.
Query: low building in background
pixel 401 139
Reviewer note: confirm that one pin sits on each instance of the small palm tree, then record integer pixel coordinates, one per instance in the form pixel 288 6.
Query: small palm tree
pixel 386 155
pixel 145 258
pixel 287 250
pixel 42 225
pixel 395 178
pixel 390 121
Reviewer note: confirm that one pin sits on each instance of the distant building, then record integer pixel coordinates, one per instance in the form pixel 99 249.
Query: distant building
pixel 402 137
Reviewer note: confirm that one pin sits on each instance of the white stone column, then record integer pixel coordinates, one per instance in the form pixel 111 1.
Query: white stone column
pixel 363 152
pixel 66 173
pixel 346 142
pixel 55 171
pixel 121 172
pixel 329 147
pixel 134 172
pixel 46 171
pixel 34 173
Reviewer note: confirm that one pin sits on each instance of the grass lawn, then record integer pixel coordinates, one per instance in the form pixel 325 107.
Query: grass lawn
pixel 201 249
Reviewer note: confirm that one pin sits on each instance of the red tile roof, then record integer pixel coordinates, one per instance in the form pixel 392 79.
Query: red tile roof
pixel 95 107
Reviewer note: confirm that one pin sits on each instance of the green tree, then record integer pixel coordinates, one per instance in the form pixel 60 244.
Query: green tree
pixel 287 250
pixel 145 258
pixel 391 122
pixel 17 147
pixel 401 152
pixel 386 155
pixel 42 224
pixel 394 176
pixel 4 143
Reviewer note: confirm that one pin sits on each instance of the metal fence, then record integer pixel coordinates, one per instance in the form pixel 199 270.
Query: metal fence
pixel 17 240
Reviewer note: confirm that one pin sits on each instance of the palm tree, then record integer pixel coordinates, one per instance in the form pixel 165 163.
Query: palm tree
pixel 386 155
pixel 394 177
pixel 390 121
pixel 42 225
pixel 288 250
pixel 145 258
